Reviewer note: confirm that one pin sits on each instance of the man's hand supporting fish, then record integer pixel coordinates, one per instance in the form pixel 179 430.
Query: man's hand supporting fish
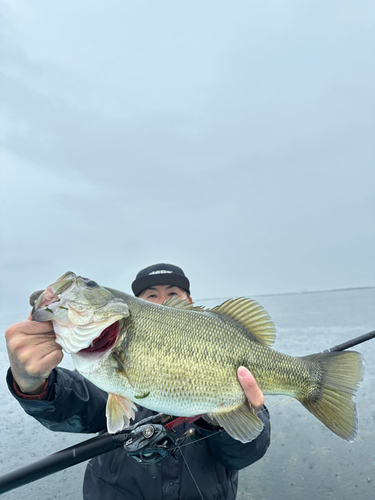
pixel 33 353
pixel 251 389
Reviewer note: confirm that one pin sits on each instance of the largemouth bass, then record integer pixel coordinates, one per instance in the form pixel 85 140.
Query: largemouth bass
pixel 182 360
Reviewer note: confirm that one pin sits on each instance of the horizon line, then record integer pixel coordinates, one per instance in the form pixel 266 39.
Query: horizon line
pixel 291 293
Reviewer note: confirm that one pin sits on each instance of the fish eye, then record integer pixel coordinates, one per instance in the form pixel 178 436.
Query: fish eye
pixel 91 283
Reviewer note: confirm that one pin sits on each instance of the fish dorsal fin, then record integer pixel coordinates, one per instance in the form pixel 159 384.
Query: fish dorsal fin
pixel 178 303
pixel 251 315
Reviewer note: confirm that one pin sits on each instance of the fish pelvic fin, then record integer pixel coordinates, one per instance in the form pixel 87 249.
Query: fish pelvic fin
pixel 331 398
pixel 250 315
pixel 241 423
pixel 119 411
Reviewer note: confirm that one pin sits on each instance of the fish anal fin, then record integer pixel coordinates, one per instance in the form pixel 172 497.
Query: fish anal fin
pixel 119 411
pixel 250 315
pixel 241 423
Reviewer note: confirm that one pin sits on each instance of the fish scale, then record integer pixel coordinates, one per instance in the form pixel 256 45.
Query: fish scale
pixel 182 360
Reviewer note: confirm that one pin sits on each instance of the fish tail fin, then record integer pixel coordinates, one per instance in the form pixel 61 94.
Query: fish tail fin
pixel 331 395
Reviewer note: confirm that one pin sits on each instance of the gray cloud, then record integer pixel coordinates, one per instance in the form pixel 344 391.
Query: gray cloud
pixel 234 140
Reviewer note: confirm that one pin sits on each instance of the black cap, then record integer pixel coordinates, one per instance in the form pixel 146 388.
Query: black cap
pixel 160 274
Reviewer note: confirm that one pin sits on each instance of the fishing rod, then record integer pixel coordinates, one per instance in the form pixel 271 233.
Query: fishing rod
pixel 148 442
pixel 352 343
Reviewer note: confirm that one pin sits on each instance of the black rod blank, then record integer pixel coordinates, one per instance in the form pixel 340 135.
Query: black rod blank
pixel 57 461
pixel 352 343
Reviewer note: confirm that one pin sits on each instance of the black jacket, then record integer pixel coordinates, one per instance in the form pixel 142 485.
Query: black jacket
pixel 73 404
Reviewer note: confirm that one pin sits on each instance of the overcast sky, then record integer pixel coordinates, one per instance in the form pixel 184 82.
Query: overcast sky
pixel 235 139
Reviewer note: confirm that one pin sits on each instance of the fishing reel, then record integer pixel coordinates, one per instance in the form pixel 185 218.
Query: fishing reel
pixel 150 441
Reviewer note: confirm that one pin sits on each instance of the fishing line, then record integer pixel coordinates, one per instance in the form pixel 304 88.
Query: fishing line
pixel 288 399
pixel 200 439
pixel 284 400
pixel 368 354
pixel 188 468
pixel 211 435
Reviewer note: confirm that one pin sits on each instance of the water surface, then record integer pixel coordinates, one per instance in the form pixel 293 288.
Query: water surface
pixel 305 460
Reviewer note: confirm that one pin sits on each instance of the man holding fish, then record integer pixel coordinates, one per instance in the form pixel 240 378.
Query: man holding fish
pixel 63 400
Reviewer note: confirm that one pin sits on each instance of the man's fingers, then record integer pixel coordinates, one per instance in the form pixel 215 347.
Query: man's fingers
pixel 42 367
pixel 250 387
pixel 30 328
pixel 33 352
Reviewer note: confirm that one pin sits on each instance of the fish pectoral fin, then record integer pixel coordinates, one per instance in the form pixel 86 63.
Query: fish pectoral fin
pixel 119 411
pixel 241 424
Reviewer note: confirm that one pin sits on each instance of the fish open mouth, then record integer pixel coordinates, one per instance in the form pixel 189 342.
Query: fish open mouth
pixel 105 340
